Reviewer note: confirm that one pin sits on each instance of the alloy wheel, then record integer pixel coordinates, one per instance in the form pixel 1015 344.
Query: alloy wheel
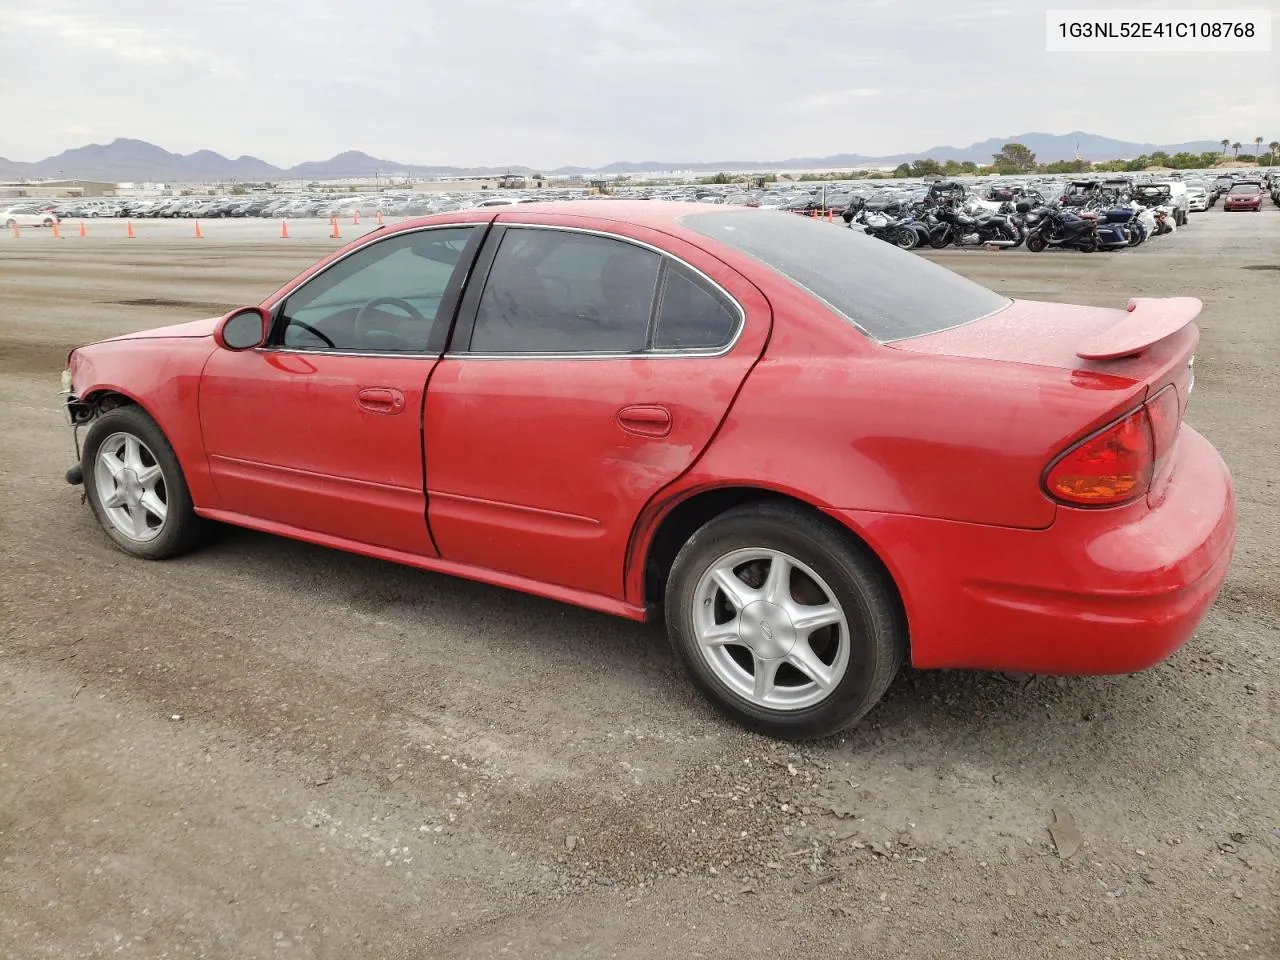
pixel 130 486
pixel 771 629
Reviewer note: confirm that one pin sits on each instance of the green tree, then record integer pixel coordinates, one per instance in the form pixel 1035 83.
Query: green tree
pixel 1274 148
pixel 902 171
pixel 1014 158
pixel 1235 149
pixel 1257 145
pixel 1067 166
pixel 1225 144
pixel 925 167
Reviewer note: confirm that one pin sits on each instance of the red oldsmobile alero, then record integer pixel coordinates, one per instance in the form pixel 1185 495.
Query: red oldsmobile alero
pixel 816 455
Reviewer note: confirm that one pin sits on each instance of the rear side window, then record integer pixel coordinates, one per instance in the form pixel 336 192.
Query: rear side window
pixel 557 291
pixel 887 293
pixel 691 314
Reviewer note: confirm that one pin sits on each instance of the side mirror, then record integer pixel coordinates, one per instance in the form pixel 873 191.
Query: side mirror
pixel 242 329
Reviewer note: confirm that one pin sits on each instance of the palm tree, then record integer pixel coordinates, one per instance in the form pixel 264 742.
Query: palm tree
pixel 1235 149
pixel 1225 144
pixel 1274 147
pixel 1257 145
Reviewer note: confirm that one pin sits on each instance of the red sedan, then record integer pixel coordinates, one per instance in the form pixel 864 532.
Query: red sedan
pixel 816 455
pixel 1243 196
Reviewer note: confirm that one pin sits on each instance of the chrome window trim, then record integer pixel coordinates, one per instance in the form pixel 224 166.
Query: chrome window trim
pixel 655 354
pixel 331 352
pixel 334 352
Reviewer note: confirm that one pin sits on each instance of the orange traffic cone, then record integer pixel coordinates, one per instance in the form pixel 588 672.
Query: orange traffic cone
pixel 284 229
pixel 355 216
pixel 336 232
pixel 56 231
pixel 199 232
pixel 83 232
pixel 130 231
pixel 379 220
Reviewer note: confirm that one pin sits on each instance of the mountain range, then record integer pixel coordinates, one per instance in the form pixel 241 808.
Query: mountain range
pixel 137 160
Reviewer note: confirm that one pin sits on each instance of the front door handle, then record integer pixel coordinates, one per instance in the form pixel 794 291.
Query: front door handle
pixel 645 420
pixel 380 400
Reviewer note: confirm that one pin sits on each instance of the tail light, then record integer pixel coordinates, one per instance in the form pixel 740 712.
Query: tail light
pixel 1120 462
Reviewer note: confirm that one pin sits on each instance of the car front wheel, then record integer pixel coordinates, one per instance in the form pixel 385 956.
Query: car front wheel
pixel 788 625
pixel 135 486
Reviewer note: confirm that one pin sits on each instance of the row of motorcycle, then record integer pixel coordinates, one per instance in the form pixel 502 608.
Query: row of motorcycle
pixel 1106 224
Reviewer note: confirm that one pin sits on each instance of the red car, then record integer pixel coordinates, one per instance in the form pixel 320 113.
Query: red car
pixel 1243 196
pixel 817 455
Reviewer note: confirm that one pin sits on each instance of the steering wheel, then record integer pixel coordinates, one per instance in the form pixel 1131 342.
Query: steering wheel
pixel 405 305
pixel 312 330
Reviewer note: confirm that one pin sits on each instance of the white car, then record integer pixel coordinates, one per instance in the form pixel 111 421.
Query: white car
pixel 1179 200
pixel 1197 199
pixel 27 215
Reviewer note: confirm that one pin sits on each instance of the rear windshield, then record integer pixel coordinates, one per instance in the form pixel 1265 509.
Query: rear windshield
pixel 887 293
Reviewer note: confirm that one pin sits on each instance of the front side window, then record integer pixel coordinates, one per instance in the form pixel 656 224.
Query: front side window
pixel 558 291
pixel 381 299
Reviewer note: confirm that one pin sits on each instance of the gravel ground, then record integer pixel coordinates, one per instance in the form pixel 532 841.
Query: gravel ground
pixel 271 750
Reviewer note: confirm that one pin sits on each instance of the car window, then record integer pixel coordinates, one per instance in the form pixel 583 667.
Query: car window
pixel 886 292
pixel 558 291
pixel 691 314
pixel 383 298
pixel 1248 188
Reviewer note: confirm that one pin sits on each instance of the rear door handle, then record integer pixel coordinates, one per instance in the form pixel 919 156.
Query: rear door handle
pixel 386 400
pixel 645 420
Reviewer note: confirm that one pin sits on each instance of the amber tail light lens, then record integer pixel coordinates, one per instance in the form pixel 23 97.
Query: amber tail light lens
pixel 1116 465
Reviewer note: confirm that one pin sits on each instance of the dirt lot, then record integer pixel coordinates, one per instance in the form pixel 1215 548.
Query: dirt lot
pixel 272 750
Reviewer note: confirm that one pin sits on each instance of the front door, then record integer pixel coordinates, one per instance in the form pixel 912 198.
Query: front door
pixel 586 373
pixel 321 429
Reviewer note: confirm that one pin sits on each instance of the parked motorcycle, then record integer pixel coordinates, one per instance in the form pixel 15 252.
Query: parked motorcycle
pixel 965 230
pixel 1059 227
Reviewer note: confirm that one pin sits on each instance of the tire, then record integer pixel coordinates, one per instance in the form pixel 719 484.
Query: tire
pixel 906 240
pixel 941 240
pixel 1035 243
pixel 10 223
pixel 857 656
pixel 1089 246
pixel 128 436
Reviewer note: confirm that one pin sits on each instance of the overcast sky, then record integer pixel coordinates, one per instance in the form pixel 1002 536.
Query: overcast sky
pixel 552 82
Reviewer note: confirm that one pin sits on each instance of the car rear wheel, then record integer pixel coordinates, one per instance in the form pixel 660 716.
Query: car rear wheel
pixel 10 223
pixel 784 622
pixel 135 486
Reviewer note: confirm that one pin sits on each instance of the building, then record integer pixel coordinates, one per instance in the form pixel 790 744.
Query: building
pixel 42 189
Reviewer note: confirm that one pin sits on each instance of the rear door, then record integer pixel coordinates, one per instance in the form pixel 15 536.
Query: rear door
pixel 588 370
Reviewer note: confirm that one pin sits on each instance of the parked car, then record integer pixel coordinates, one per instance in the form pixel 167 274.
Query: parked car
pixel 1197 198
pixel 1245 195
pixel 815 455
pixel 27 215
pixel 1179 198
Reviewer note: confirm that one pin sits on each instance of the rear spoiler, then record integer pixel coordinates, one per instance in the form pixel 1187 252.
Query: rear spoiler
pixel 1149 320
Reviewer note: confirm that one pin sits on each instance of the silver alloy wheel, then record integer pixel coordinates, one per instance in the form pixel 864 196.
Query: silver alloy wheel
pixel 130 486
pixel 771 647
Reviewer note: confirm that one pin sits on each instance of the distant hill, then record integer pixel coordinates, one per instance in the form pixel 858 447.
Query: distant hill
pixel 137 160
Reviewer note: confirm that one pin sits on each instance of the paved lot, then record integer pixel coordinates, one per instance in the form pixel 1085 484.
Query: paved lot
pixel 272 750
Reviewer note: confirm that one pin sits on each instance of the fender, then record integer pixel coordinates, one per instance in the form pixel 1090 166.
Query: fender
pixel 163 378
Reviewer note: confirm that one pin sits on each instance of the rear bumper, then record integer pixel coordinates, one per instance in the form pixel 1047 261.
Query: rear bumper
pixel 1098 592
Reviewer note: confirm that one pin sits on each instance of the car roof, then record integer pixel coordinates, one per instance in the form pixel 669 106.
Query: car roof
pixel 660 215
